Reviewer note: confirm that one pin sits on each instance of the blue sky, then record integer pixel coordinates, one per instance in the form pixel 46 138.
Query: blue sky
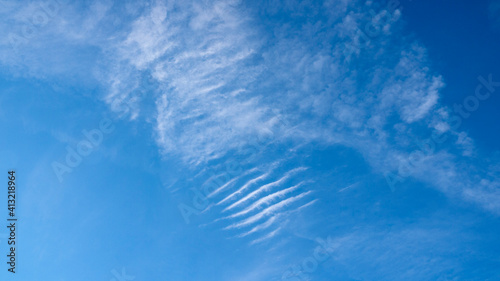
pixel 252 140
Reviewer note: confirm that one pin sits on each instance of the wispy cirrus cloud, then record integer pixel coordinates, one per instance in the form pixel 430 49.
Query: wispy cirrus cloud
pixel 223 68
pixel 266 85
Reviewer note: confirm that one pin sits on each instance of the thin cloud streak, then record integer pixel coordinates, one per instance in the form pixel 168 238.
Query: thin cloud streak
pixel 264 188
pixel 269 210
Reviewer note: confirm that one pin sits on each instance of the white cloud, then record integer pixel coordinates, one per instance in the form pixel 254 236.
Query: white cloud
pixel 244 188
pixel 271 210
pixel 266 200
pixel 221 73
pixel 257 192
